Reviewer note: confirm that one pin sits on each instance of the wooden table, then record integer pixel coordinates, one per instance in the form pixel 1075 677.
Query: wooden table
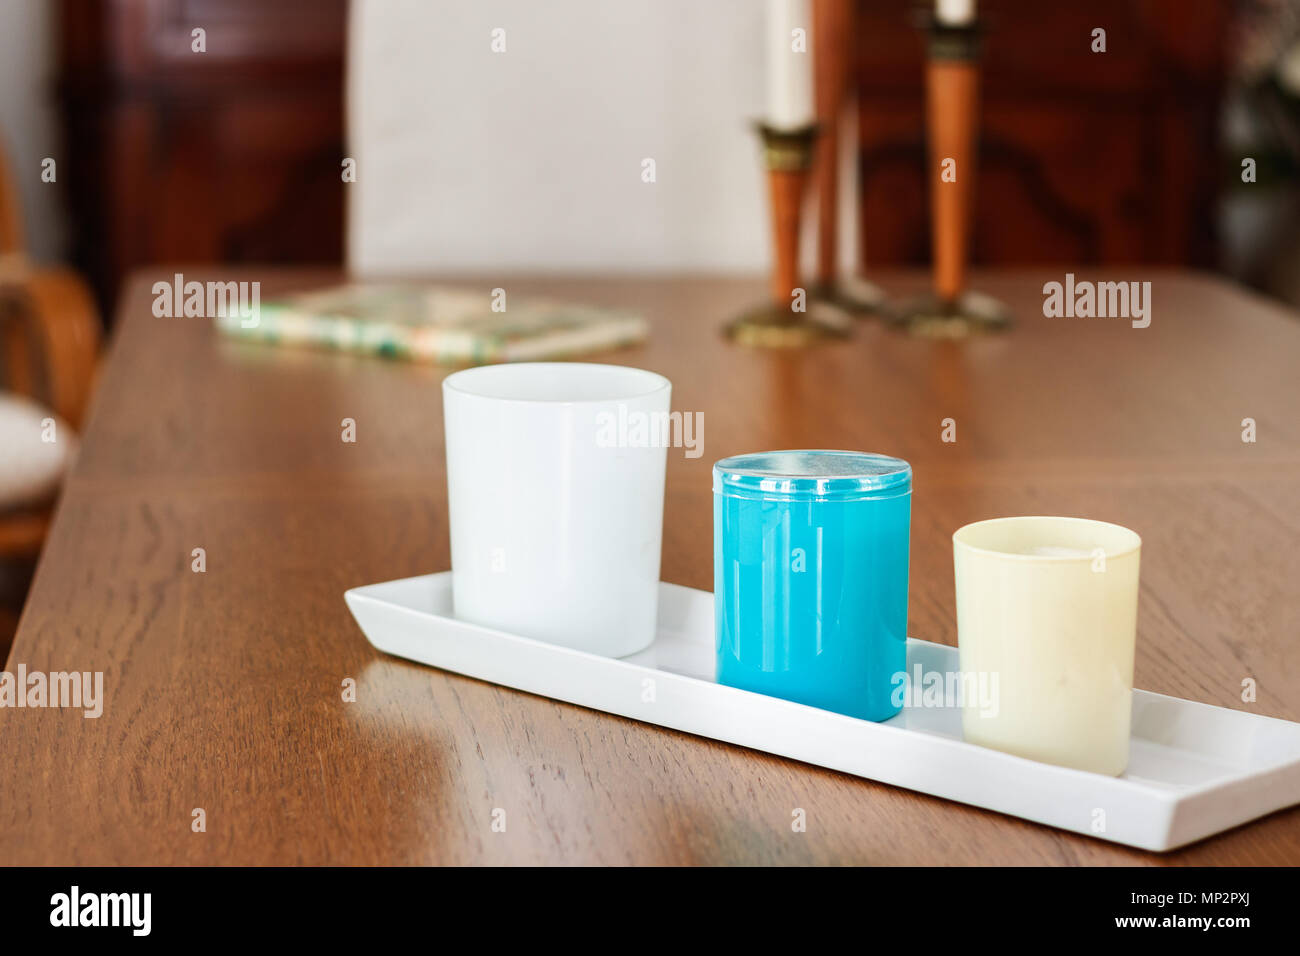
pixel 224 687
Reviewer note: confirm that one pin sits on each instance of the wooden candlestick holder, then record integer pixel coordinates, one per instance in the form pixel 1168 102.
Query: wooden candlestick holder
pixel 787 157
pixel 834 33
pixel 952 108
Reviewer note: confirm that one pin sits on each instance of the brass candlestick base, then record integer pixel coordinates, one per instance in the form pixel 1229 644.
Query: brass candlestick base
pixel 769 326
pixel 972 313
pixel 858 297
pixel 787 155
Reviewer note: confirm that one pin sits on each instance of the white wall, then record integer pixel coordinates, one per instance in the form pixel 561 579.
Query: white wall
pixel 29 119
pixel 469 160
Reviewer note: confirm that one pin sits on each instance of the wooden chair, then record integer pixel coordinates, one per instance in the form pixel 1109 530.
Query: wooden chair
pixel 49 340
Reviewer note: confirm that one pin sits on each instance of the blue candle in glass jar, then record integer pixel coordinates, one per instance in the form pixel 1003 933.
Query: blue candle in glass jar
pixel 810 554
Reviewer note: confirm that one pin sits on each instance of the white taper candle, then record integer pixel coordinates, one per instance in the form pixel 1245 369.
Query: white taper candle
pixel 789 64
pixel 954 13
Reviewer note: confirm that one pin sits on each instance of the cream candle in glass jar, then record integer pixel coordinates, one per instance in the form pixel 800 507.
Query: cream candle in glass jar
pixel 1047 615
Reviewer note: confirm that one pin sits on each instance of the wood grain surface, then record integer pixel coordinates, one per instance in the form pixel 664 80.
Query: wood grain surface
pixel 223 688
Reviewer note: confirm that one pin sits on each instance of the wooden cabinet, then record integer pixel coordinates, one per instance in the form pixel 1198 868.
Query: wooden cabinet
pixel 227 155
pixel 1085 157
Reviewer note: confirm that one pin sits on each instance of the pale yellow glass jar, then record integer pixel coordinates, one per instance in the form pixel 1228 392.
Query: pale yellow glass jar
pixel 1047 617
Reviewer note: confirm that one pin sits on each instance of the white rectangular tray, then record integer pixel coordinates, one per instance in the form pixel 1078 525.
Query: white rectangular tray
pixel 1194 770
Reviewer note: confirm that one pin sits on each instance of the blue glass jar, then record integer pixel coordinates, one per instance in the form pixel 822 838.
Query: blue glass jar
pixel 810 556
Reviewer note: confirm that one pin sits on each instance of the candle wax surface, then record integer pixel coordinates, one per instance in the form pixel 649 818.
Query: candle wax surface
pixel 1054 551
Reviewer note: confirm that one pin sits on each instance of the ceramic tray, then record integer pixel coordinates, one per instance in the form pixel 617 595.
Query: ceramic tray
pixel 1194 770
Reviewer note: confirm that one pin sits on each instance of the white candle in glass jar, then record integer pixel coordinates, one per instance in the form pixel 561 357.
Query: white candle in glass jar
pixel 789 64
pixel 1047 618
